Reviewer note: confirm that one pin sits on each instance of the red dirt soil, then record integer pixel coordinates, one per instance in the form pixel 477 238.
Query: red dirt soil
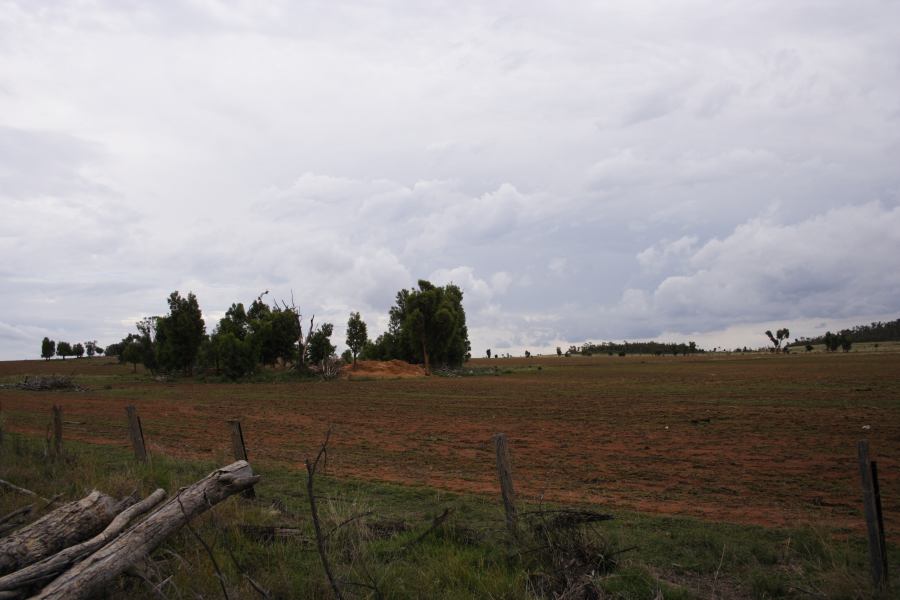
pixel 382 369
pixel 761 439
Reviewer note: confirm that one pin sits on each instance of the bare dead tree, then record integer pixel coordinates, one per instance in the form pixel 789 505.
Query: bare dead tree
pixel 311 467
pixel 301 341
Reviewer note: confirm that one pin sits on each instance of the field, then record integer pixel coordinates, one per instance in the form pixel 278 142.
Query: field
pixel 747 439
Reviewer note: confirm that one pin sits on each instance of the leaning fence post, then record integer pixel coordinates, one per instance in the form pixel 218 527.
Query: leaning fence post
pixel 240 450
pixel 504 472
pixel 136 434
pixel 57 430
pixel 874 521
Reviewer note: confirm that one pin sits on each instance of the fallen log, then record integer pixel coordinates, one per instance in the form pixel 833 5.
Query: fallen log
pixel 69 524
pixel 59 562
pixel 95 572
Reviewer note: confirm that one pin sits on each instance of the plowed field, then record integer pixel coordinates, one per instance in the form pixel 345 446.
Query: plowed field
pixel 758 439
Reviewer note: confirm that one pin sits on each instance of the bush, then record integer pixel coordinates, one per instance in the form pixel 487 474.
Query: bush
pixel 237 358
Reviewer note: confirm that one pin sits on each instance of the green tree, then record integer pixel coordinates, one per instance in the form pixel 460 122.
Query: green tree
pixel 180 334
pixel 318 345
pixel 48 348
pixel 63 349
pixel 146 341
pixel 357 335
pixel 78 350
pixel 91 348
pixel 275 332
pixel 237 357
pixel 131 351
pixel 780 336
pixel 430 325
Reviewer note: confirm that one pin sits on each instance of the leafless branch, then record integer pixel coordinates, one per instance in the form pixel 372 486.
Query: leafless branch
pixel 311 467
pixel 187 522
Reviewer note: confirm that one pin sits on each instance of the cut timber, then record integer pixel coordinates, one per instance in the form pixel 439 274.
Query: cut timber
pixel 95 572
pixel 69 524
pixel 53 565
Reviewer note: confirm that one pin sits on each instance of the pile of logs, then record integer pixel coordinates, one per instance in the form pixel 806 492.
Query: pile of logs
pixel 78 549
pixel 43 383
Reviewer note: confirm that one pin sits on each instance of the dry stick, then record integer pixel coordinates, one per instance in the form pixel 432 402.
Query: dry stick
pixel 19 512
pixel 320 541
pixel 348 521
pixel 62 560
pixel 877 490
pixel 187 523
pixel 21 490
pixel 57 430
pixel 240 451
pixel 876 559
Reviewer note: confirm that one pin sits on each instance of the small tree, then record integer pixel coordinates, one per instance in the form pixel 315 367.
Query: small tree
pixel 558 351
pixel 809 347
pixel 357 335
pixel 48 348
pixel 780 336
pixel 319 346
pixel 846 344
pixel 64 349
pixel 527 354
pixel 78 350
pixel 488 352
pixel 91 348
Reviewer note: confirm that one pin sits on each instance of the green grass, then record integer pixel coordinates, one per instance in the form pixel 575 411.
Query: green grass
pixel 468 556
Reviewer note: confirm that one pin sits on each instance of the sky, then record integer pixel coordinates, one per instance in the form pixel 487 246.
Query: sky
pixel 584 171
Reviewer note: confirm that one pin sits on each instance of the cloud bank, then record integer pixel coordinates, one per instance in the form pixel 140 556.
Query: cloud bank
pixel 583 173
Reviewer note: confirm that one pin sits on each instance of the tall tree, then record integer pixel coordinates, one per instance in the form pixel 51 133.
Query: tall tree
pixel 357 335
pixel 48 348
pixel 78 350
pixel 180 334
pixel 428 325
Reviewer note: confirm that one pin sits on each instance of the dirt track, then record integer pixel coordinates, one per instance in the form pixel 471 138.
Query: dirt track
pixel 758 439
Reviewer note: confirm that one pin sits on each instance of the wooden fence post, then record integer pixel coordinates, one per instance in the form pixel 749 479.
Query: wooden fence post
pixel 868 472
pixel 504 472
pixel 136 434
pixel 57 430
pixel 240 451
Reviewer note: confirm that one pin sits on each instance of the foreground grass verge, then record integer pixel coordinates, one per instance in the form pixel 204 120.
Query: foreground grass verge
pixel 379 550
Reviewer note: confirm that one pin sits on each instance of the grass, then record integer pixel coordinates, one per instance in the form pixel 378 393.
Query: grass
pixel 639 556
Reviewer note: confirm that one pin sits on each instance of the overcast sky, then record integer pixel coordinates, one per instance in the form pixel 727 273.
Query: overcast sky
pixel 595 171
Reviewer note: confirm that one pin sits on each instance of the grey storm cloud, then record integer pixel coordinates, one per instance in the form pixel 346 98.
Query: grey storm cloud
pixel 583 171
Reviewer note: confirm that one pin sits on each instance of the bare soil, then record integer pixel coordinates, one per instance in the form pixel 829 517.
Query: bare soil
pixel 760 439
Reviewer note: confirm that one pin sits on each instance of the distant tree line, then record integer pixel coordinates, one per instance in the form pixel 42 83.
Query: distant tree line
pixel 874 332
pixel 651 347
pixel 51 348
pixel 427 325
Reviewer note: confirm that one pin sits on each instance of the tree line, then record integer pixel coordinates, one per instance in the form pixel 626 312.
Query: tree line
pixel 877 331
pixel 51 348
pixel 651 347
pixel 427 325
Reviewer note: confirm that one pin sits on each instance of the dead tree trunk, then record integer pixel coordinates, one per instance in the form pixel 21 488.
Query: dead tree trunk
pixel 96 571
pixel 61 561
pixel 67 525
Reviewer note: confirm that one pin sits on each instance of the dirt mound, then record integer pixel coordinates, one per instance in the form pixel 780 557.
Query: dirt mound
pixel 382 369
